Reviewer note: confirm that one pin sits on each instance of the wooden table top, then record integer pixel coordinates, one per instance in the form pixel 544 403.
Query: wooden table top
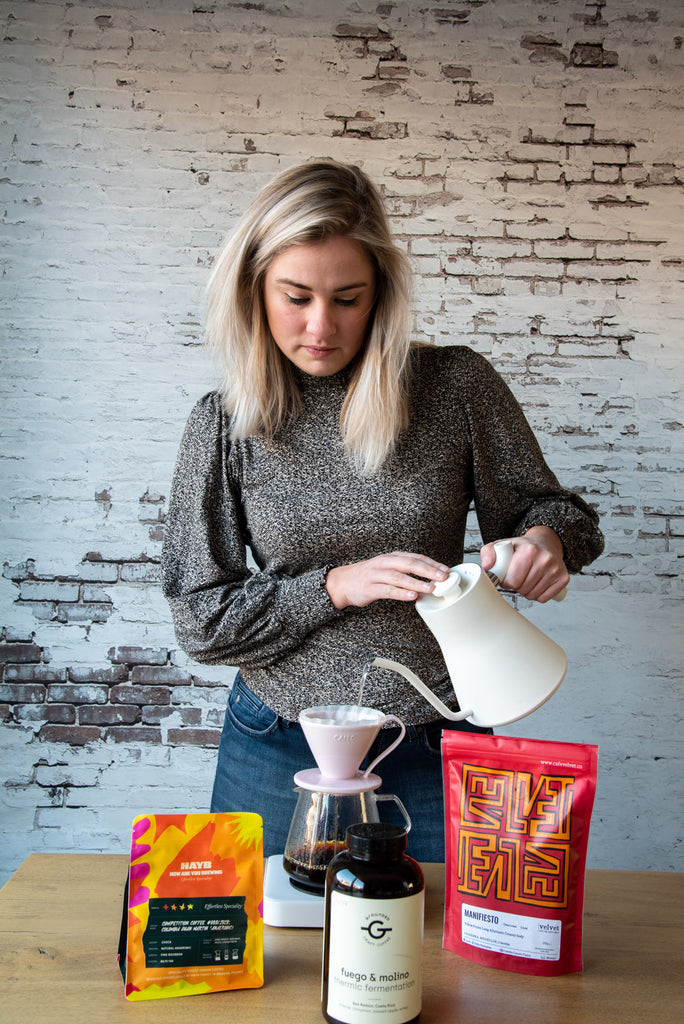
pixel 59 929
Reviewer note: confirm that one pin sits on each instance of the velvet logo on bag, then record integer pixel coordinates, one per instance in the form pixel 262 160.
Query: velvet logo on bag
pixel 193 907
pixel 517 826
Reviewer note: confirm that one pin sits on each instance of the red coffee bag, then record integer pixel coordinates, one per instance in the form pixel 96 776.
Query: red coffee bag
pixel 517 814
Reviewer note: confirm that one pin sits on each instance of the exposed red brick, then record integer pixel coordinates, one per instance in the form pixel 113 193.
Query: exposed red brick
pixel 20 653
pixel 138 655
pixel 33 673
pixel 22 693
pixel 165 675
pixel 133 734
pixel 126 694
pixel 75 735
pixel 59 714
pixel 155 715
pixel 194 737
pixel 123 714
pixel 106 676
pixel 78 693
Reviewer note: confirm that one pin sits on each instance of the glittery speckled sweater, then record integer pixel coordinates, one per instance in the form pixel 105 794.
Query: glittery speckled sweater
pixel 300 507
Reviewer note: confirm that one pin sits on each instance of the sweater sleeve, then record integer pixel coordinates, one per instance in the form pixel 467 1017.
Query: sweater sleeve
pixel 225 611
pixel 514 487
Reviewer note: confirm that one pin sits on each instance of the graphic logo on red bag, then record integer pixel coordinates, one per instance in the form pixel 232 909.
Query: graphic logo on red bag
pixel 514 840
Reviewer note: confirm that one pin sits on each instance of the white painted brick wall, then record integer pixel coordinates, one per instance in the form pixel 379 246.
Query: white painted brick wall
pixel 531 157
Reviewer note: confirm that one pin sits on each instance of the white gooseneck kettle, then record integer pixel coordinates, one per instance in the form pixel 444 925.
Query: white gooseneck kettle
pixel 502 667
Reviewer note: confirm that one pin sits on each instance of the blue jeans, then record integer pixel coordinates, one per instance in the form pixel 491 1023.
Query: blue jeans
pixel 259 753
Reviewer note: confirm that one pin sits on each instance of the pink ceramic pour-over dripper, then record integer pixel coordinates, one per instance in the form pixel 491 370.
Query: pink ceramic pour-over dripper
pixel 340 736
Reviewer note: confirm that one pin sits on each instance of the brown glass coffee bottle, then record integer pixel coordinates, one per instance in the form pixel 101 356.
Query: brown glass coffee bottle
pixel 374 907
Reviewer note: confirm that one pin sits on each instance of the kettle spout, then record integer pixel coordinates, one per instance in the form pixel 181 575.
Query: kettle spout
pixel 412 678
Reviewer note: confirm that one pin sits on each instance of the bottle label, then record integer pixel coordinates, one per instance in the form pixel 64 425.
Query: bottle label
pixel 374 959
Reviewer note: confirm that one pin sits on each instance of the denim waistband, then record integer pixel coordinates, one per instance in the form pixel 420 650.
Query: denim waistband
pixel 414 733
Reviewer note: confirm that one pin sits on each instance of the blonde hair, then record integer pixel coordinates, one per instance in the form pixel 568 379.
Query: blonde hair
pixel 306 204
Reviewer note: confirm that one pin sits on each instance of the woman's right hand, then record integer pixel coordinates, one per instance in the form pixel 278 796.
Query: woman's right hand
pixel 398 576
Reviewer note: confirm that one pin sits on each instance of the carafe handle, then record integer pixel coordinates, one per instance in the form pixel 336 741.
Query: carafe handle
pixel 397 801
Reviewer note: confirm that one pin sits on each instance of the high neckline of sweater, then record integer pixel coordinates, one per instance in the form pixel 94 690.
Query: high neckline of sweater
pixel 326 382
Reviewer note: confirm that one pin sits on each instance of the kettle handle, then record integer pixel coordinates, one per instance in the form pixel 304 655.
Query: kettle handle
pixel 504 554
pixel 412 678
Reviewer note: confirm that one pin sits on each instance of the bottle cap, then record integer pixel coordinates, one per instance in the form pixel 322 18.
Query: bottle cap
pixel 376 840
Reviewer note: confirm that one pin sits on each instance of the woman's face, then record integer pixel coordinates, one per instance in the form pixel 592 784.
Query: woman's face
pixel 319 299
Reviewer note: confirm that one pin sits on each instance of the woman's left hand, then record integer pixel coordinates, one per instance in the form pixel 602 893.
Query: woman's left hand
pixel 537 570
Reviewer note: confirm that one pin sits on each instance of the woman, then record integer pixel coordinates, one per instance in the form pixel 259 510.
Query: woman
pixel 343 459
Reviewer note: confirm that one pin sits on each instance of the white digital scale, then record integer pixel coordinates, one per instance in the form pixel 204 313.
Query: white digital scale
pixel 285 906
